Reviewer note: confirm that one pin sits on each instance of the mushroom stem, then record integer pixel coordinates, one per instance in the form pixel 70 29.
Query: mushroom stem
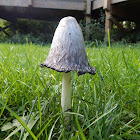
pixel 66 93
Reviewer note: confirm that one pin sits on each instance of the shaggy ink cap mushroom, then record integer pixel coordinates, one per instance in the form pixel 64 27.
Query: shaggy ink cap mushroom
pixel 67 54
pixel 67 51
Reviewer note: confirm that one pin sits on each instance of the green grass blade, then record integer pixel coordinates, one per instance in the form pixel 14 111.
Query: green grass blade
pixel 79 128
pixel 49 138
pixel 28 119
pixel 39 108
pixel 44 128
pixel 101 116
pixel 132 137
pixel 109 38
pixel 22 123
pixel 13 132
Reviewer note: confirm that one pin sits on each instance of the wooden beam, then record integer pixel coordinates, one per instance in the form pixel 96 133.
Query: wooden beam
pixel 78 5
pixel 17 3
pixel 3 30
pixel 100 3
pixel 108 23
pixel 107 5
pixel 88 8
pixel 114 20
pixel 88 19
pixel 118 1
pixel 30 2
pixel 97 4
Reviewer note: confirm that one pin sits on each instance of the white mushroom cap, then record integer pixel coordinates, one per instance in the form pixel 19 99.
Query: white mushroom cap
pixel 67 51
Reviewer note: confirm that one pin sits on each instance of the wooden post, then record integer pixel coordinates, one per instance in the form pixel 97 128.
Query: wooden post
pixel 108 23
pixel 88 19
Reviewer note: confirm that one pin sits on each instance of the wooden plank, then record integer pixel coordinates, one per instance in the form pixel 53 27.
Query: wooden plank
pixel 19 3
pixel 56 4
pixel 30 2
pixel 100 3
pixel 97 4
pixel 118 1
pixel 88 9
pixel 107 4
pixel 77 5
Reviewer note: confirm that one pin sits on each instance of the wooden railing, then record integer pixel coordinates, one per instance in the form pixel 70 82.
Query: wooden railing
pixel 57 4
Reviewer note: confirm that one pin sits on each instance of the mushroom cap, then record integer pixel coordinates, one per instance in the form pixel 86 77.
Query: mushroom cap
pixel 67 51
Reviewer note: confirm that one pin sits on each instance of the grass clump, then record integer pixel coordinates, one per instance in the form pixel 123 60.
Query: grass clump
pixel 104 106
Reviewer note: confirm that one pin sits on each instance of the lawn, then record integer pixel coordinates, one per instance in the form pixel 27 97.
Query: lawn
pixel 104 106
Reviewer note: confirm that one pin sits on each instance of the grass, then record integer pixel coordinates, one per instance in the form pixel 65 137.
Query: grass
pixel 104 106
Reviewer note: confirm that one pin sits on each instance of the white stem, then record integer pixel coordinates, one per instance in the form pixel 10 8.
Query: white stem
pixel 66 92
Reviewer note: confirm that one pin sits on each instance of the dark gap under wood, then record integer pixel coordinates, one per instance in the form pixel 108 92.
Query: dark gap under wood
pixel 115 21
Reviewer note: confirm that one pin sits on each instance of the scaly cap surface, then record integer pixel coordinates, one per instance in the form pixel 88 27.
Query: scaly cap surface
pixel 67 51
